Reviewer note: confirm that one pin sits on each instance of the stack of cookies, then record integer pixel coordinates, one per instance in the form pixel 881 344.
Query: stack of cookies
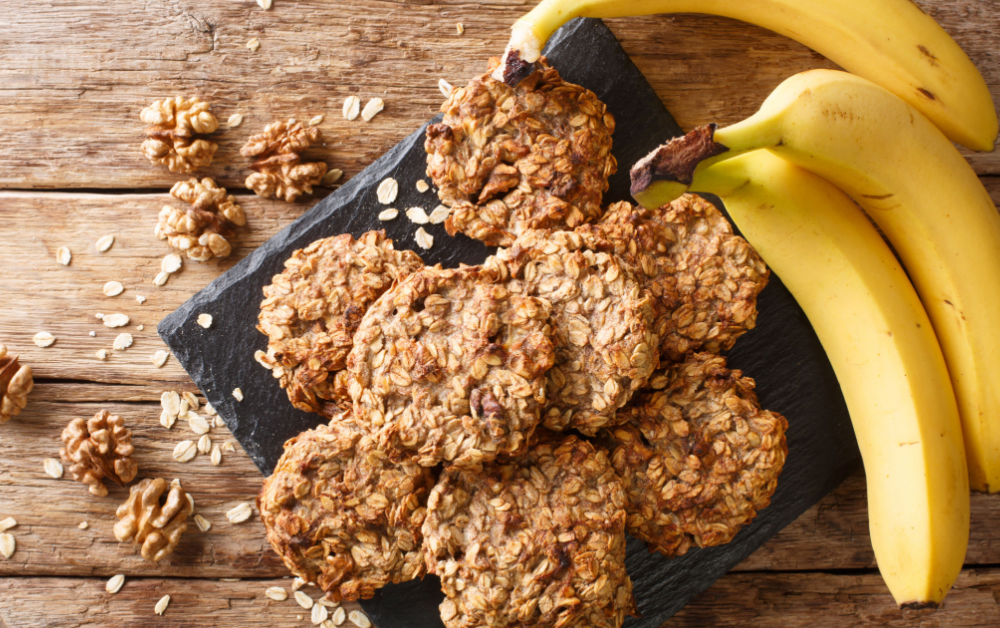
pixel 503 426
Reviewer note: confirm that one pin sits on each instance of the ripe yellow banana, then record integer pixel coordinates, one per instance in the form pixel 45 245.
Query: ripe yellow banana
pixel 890 42
pixel 913 182
pixel 886 356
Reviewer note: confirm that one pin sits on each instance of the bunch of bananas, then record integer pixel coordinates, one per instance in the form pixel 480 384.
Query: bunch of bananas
pixel 917 362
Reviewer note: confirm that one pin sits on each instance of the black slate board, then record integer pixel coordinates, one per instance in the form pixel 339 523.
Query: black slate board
pixel 782 353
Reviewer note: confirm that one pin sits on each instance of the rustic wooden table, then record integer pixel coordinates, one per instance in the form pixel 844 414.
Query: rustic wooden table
pixel 73 77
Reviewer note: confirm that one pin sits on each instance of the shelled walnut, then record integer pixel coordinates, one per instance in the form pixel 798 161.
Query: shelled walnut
pixel 279 170
pixel 98 448
pixel 154 518
pixel 171 136
pixel 15 384
pixel 204 229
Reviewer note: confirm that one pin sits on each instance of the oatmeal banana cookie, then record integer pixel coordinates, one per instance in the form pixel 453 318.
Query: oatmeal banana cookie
pixel 449 365
pixel 699 458
pixel 538 542
pixel 341 515
pixel 703 278
pixel 602 324
pixel 508 159
pixel 312 309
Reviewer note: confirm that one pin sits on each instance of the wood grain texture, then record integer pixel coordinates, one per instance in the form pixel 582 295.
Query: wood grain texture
pixel 74 75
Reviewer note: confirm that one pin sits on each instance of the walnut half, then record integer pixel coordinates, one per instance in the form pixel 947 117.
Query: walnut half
pixel 171 136
pixel 204 229
pixel 15 384
pixel 279 168
pixel 154 520
pixel 98 448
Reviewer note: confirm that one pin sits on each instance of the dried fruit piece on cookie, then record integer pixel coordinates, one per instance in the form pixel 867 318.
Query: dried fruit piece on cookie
pixel 97 448
pixel 15 384
pixel 699 458
pixel 509 159
pixel 537 542
pixel 341 515
pixel 602 324
pixel 172 137
pixel 312 309
pixel 703 278
pixel 449 366
pixel 154 517
pixel 203 230
pixel 279 170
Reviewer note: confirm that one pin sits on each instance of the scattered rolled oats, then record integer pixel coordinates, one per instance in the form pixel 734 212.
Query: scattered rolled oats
pixel 327 603
pixel 64 256
pixel 205 320
pixel 422 186
pixel 170 401
pixel 116 320
pixel 216 455
pixel 228 446
pixel 99 316
pixel 339 616
pixel 445 87
pixel 239 513
pixel 203 524
pixel 122 342
pixel 304 600
pixel 113 288
pixel 319 614
pixel 264 4
pixel 359 619
pixel 209 410
pixel 171 263
pixel 204 444
pixel 238 394
pixel 459 28
pixel 316 120
pixel 91 333
pixel 83 525
pixel 141 327
pixel 161 606
pixel 352 105
pixel 439 215
pixel 237 118
pixel 185 451
pixel 115 584
pixel 423 239
pixel 388 214
pixel 387 190
pixel 372 108
pixel 43 339
pixel 7 545
pixel 53 468
pixel 104 243
pixel 7 524
pixel 276 593
pixel 191 399
pixel 160 358
pixel 332 176
pixel 417 215
pixel 161 278
pixel 102 354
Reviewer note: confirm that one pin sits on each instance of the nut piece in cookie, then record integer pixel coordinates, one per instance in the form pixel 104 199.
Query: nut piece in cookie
pixel 450 366
pixel 97 448
pixel 279 170
pixel 172 138
pixel 154 517
pixel 312 309
pixel 508 159
pixel 537 542
pixel 703 278
pixel 699 458
pixel 341 515
pixel 602 325
pixel 15 384
pixel 205 229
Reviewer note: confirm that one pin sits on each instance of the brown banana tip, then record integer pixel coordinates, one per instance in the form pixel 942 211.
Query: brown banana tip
pixel 676 160
pixel 918 606
pixel 515 70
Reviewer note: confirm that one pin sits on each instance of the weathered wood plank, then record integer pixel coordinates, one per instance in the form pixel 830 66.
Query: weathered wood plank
pixel 75 75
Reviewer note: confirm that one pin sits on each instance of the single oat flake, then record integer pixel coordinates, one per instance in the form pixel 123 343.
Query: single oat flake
pixel 43 339
pixel 122 342
pixel 203 524
pixel 276 593
pixel 264 4
pixel 113 288
pixel 339 616
pixel 160 358
pixel 115 584
pixel 239 513
pixel 140 299
pixel 238 394
pixel 171 263
pixel 417 215
pixel 63 255
pixel 204 444
pixel 445 87
pixel 7 545
pixel 352 105
pixel 83 525
pixel 53 468
pixel 7 524
pixel 388 214
pixel 424 240
pixel 316 120
pixel 374 106
pixel 205 320
pixel 199 425
pixel 332 176
pixel 116 320
pixel 422 186
pixel 304 600
pixel 252 45
pixel 237 118
pixel 161 606
pixel 387 190
pixel 439 215
pixel 359 619
pixel 102 354
pixel 104 243
pixel 216 457
pixel 459 28
pixel 319 614
pixel 161 278
pixel 185 451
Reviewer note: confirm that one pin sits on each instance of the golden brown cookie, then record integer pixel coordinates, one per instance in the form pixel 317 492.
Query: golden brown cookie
pixel 538 542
